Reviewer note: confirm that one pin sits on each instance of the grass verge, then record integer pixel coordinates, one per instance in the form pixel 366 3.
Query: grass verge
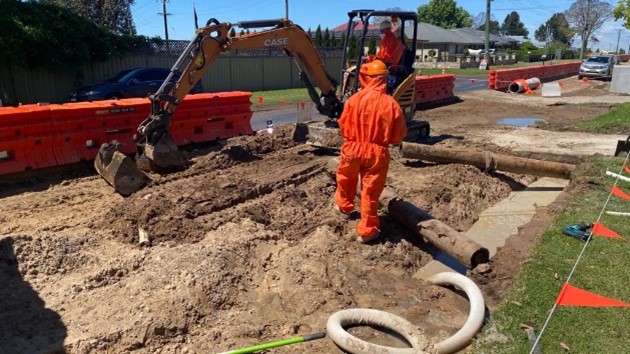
pixel 280 97
pixel 615 121
pixel 604 269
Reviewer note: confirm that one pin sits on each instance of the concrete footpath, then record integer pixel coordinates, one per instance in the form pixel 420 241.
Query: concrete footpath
pixel 501 221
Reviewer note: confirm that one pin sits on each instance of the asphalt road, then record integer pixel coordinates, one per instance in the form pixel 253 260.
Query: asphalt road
pixel 280 115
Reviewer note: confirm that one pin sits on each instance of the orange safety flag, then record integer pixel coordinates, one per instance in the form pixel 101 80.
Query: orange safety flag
pixel 625 167
pixel 601 230
pixel 572 296
pixel 619 193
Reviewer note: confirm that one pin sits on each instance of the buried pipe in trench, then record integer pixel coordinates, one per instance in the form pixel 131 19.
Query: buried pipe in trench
pixel 412 333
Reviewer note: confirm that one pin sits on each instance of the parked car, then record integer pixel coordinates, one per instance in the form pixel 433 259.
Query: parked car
pixel 482 52
pixel 598 66
pixel 137 82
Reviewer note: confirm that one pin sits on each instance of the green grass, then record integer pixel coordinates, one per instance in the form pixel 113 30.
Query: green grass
pixel 615 121
pixel 604 269
pixel 280 97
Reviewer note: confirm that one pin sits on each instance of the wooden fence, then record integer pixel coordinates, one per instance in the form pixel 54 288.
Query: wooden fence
pixel 227 73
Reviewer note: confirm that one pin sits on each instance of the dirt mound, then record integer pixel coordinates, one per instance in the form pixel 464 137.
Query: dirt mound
pixel 245 248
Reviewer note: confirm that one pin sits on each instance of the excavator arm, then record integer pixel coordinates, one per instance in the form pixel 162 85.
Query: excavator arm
pixel 156 149
pixel 211 41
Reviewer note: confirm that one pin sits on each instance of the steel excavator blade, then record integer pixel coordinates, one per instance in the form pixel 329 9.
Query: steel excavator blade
pixel 118 169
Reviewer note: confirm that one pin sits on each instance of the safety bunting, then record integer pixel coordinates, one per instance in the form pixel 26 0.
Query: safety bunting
pixel 601 230
pixel 572 296
pixel 619 193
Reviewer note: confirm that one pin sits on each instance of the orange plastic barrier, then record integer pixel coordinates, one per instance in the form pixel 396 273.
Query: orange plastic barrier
pixel 208 117
pixel 501 79
pixel 434 88
pixel 25 139
pixel 38 136
pixel 624 57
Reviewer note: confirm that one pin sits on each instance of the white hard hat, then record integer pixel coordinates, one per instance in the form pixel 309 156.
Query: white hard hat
pixel 385 24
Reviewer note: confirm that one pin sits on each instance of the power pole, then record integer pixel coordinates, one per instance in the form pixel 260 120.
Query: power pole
pixel 618 37
pixel 286 9
pixel 487 56
pixel 164 13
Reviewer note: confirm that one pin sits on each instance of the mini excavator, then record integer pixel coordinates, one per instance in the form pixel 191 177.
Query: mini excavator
pixel 156 149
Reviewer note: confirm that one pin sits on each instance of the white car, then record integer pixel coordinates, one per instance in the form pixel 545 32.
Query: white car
pixel 598 66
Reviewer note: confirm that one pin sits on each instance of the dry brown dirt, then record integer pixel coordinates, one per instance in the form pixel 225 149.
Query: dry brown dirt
pixel 245 247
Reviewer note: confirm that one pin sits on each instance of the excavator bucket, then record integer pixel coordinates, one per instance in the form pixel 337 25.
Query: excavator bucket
pixel 320 134
pixel 118 169
pixel 165 155
pixel 623 147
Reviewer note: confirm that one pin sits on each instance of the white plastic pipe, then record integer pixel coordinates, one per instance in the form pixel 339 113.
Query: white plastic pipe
pixel 473 324
pixel 412 333
pixel 623 178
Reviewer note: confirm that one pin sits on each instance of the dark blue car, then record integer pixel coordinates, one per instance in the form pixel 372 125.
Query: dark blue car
pixel 137 82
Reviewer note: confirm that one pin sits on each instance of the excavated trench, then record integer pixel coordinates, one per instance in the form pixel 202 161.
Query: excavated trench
pixel 244 248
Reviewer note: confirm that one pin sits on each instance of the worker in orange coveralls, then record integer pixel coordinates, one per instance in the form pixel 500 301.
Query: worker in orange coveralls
pixel 371 120
pixel 390 49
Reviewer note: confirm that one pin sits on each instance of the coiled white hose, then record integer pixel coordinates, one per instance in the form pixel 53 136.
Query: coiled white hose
pixel 462 338
pixel 412 333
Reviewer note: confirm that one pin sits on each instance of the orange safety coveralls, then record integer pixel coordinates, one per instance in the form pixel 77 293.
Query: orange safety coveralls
pixel 371 120
pixel 390 50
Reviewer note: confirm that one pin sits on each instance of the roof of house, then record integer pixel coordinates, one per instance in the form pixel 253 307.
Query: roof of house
pixel 372 29
pixel 434 34
pixel 497 40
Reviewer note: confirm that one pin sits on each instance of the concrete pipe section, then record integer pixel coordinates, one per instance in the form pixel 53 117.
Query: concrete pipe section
pixel 412 333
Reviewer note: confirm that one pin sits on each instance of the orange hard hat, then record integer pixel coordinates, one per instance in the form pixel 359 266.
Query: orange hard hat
pixel 374 68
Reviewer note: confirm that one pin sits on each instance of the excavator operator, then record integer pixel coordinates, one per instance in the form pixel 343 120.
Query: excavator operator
pixel 371 120
pixel 390 49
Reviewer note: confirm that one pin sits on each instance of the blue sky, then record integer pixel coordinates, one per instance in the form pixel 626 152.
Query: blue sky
pixel 331 13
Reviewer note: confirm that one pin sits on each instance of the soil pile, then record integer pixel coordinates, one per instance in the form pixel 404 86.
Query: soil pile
pixel 244 248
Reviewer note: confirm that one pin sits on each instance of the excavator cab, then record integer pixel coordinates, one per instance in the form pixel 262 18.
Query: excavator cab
pixel 362 26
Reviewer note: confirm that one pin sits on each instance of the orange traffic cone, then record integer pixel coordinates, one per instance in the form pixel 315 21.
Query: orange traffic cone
pixel 585 80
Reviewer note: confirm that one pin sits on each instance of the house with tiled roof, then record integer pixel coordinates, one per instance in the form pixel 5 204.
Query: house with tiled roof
pixel 437 40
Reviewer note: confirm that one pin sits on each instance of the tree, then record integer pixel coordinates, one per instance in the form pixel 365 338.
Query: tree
pixel 445 14
pixel 512 25
pixel 51 36
pixel 479 20
pixel 586 17
pixel 372 45
pixel 352 47
pixel 232 32
pixel 115 15
pixel 376 20
pixel 622 12
pixel 479 23
pixel 318 36
pixel 622 51
pixel 326 38
pixel 556 29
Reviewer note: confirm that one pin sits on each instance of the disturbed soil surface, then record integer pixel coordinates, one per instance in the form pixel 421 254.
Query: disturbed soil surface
pixel 244 246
